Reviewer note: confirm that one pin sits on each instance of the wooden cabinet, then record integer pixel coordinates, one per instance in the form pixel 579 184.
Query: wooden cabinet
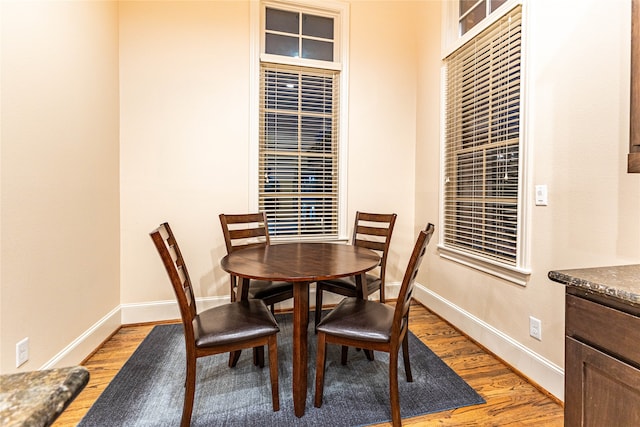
pixel 602 361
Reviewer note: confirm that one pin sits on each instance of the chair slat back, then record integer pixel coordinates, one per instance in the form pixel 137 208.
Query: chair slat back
pixel 373 231
pixel 173 261
pixel 244 230
pixel 406 289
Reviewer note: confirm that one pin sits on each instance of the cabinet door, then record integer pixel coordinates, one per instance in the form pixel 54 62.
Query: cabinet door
pixel 599 389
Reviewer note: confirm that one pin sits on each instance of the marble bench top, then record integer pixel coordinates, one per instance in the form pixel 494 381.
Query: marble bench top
pixel 36 398
pixel 621 282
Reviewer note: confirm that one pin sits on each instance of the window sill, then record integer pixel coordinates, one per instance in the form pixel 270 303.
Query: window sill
pixel 515 275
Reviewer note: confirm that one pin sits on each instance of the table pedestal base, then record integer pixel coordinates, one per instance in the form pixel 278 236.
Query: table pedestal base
pixel 300 326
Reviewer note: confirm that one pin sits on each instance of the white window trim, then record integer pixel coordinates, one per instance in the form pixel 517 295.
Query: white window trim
pixel 254 95
pixel 519 274
pixel 451 41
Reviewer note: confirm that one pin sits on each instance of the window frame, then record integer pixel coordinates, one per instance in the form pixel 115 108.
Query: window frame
pixel 340 12
pixel 521 272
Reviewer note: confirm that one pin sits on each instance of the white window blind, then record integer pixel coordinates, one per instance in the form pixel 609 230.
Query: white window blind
pixel 483 144
pixel 298 150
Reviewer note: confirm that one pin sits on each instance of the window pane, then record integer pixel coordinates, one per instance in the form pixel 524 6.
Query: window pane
pixel 283 21
pixel 317 214
pixel 502 172
pixel 281 91
pixel 286 222
pixel 281 132
pixel 282 45
pixel 317 26
pixel 465 5
pixel 496 4
pixel 469 175
pixel 316 135
pixel 316 49
pixel 317 175
pixel 477 14
pixel 281 173
pixel 317 94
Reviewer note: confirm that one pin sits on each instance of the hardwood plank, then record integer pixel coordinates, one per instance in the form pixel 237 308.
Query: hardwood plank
pixel 511 399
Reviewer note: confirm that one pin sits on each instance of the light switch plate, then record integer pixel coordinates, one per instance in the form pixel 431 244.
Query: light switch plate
pixel 22 352
pixel 542 198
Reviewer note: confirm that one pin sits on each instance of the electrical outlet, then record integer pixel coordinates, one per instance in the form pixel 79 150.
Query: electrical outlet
pixel 535 328
pixel 22 352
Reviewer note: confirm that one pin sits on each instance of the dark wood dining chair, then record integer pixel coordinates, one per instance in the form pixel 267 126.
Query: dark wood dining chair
pixel 372 231
pixel 226 328
pixel 375 326
pixel 245 231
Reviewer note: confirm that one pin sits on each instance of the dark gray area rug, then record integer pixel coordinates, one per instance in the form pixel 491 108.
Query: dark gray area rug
pixel 148 390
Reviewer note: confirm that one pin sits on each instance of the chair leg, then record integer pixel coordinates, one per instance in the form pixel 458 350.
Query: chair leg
pixel 320 362
pixel 344 354
pixel 318 312
pixel 258 356
pixel 233 288
pixel 233 358
pixel 393 388
pixel 405 356
pixel 273 372
pixel 369 354
pixel 189 392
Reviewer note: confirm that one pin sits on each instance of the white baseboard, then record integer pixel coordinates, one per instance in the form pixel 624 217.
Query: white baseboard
pixel 86 343
pixel 545 373
pixel 123 314
pixel 157 311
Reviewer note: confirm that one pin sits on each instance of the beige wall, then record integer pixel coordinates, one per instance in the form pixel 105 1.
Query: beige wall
pixel 185 68
pixel 382 114
pixel 577 133
pixel 59 182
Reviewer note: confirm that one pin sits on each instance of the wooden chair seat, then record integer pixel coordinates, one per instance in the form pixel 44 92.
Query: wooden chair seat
pixel 230 324
pixel 270 291
pixel 346 286
pixel 358 319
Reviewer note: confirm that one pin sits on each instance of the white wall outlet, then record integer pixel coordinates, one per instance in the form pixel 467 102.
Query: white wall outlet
pixel 535 328
pixel 22 352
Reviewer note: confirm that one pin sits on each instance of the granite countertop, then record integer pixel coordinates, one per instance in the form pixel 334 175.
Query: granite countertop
pixel 621 282
pixel 36 398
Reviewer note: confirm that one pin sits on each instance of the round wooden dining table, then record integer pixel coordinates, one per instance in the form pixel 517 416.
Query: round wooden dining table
pixel 301 264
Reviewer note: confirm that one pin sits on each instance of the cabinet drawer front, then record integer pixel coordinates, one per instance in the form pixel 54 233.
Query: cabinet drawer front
pixel 616 332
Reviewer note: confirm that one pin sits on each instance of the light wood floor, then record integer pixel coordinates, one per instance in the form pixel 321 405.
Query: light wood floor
pixel 511 399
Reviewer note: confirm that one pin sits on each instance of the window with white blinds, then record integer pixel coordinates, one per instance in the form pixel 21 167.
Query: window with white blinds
pixel 298 150
pixel 483 151
pixel 303 47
